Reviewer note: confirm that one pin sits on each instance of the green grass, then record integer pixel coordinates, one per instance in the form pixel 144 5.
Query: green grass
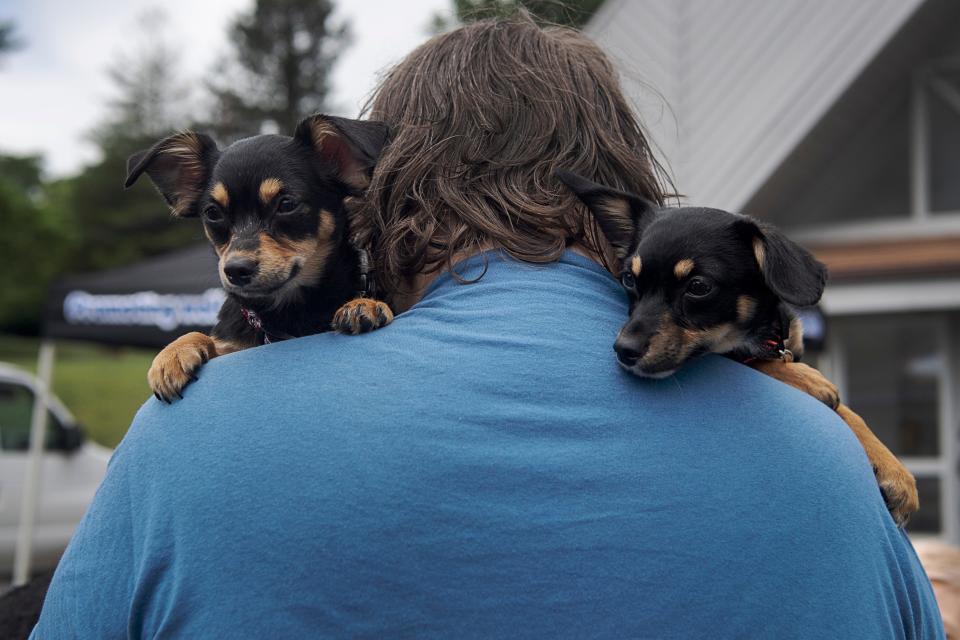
pixel 102 386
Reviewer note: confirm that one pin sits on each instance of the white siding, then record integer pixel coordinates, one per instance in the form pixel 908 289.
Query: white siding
pixel 745 79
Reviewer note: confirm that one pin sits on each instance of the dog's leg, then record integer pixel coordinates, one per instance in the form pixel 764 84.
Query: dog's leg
pixel 174 367
pixel 898 485
pixel 223 347
pixel 361 315
pixel 803 377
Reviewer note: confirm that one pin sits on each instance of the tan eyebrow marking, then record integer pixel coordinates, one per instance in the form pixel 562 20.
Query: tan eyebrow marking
pixel 269 188
pixel 683 268
pixel 636 265
pixel 760 252
pixel 219 193
pixel 745 308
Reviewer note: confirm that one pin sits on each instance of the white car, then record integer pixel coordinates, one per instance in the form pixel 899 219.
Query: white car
pixel 71 472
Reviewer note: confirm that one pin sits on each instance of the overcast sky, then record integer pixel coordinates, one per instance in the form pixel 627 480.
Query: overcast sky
pixel 53 91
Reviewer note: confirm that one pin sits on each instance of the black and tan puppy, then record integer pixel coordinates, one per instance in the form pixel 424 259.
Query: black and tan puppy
pixel 274 209
pixel 708 281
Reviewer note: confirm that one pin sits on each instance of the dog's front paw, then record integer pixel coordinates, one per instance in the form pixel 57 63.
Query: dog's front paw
pixel 174 367
pixel 361 315
pixel 803 377
pixel 899 489
pixel 897 484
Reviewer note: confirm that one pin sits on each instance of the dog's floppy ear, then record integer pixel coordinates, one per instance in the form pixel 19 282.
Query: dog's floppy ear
pixel 351 147
pixel 621 215
pixel 789 270
pixel 179 166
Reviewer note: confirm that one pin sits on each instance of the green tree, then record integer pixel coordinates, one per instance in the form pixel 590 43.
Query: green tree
pixel 571 13
pixel 36 242
pixel 8 39
pixel 22 172
pixel 279 70
pixel 37 236
pixel 150 101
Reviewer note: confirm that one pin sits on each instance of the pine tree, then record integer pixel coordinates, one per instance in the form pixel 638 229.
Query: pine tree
pixel 8 38
pixel 279 71
pixel 150 101
pixel 571 13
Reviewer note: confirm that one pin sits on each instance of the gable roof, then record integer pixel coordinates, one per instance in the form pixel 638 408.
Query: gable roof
pixel 746 80
pixel 854 165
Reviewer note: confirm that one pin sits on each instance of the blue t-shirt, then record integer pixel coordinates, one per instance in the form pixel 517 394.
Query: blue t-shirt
pixel 483 468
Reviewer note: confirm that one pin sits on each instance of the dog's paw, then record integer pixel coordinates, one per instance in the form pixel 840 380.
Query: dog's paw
pixel 174 367
pixel 803 377
pixel 899 489
pixel 897 485
pixel 361 315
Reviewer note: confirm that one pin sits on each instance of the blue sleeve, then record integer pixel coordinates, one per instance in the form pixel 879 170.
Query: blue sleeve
pixel 91 590
pixel 919 605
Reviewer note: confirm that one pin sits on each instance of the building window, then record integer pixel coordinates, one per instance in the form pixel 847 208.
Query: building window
pixel 929 519
pixel 893 370
pixel 896 376
pixel 944 141
pixel 936 139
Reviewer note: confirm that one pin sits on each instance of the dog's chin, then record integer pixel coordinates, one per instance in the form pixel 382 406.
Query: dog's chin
pixel 640 372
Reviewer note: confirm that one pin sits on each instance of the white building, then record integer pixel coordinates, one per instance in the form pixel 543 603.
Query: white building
pixel 840 122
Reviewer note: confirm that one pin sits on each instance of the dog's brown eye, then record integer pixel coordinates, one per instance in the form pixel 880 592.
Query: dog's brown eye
pixel 213 213
pixel 287 205
pixel 699 287
pixel 627 280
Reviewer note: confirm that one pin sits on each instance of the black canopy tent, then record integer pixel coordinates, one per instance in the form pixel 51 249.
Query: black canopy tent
pixel 145 304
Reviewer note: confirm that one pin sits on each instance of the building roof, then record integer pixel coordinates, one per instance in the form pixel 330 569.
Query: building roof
pixel 741 83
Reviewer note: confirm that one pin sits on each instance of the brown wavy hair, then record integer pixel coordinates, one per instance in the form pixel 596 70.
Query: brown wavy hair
pixel 481 117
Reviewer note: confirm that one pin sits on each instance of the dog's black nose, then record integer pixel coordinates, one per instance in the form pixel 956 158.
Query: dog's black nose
pixel 628 351
pixel 240 271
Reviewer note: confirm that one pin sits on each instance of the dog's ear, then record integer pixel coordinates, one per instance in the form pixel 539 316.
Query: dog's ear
pixel 789 271
pixel 621 215
pixel 350 147
pixel 179 166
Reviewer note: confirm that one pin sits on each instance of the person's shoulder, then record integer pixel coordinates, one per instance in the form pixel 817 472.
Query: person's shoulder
pixel 755 391
pixel 255 384
pixel 773 419
pixel 720 382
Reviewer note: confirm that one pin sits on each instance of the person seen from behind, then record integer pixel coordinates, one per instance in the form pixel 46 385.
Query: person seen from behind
pixel 482 467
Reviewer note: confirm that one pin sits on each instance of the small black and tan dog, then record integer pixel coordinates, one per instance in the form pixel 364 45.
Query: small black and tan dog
pixel 275 209
pixel 708 281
